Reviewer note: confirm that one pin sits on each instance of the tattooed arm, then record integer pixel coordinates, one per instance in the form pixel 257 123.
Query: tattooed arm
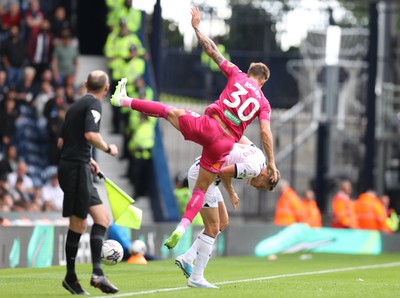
pixel 207 44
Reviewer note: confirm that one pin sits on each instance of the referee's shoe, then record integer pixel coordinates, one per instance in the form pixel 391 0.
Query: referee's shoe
pixel 101 282
pixel 74 287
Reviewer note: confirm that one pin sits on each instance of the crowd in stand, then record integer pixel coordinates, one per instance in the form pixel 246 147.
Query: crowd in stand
pixel 367 212
pixel 38 67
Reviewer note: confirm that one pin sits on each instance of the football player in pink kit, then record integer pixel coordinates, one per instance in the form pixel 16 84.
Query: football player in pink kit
pixel 222 125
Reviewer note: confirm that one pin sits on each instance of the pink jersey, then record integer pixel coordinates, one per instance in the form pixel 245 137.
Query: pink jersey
pixel 240 102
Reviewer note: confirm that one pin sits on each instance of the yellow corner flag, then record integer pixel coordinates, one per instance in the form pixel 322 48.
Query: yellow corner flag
pixel 124 213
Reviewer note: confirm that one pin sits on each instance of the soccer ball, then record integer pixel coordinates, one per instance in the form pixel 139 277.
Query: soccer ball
pixel 138 247
pixel 111 252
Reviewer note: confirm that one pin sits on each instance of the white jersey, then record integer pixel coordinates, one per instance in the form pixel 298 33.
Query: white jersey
pixel 248 160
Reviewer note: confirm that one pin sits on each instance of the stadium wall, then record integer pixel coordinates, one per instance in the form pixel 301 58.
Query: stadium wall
pixel 43 245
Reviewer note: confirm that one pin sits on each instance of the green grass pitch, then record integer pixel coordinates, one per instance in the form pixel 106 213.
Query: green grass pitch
pixel 322 275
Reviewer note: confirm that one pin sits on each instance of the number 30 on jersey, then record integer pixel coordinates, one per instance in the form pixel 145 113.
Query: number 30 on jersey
pixel 242 106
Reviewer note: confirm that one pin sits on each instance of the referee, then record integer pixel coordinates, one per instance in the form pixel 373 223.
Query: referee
pixel 79 133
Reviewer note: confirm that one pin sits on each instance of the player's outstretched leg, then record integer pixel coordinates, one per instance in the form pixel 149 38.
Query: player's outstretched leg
pixel 148 107
pixel 103 284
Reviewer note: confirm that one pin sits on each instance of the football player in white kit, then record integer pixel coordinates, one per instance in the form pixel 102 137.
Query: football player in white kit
pixel 245 161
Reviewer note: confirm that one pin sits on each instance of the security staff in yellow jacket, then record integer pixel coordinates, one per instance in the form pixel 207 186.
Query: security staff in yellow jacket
pixel 117 50
pixel 123 9
pixel 131 118
pixel 140 146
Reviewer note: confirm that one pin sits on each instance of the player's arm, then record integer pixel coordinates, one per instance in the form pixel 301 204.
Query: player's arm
pixel 268 145
pixel 233 197
pixel 95 139
pixel 209 47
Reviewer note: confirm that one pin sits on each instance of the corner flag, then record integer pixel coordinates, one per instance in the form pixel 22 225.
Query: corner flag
pixel 124 213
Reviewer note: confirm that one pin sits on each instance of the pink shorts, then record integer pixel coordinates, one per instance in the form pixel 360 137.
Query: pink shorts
pixel 206 131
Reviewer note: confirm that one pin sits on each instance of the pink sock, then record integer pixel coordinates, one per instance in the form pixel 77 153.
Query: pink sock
pixel 194 205
pixel 148 107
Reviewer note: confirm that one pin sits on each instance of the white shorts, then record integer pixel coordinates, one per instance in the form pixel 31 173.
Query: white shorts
pixel 213 195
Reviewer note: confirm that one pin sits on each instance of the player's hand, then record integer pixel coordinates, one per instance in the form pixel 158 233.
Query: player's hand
pixel 195 17
pixel 114 149
pixel 234 200
pixel 272 172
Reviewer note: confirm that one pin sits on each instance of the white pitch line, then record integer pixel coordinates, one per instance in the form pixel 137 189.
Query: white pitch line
pixel 366 267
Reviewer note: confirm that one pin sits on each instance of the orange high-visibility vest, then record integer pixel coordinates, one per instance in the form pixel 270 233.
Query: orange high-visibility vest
pixel 343 215
pixel 371 213
pixel 289 209
pixel 313 215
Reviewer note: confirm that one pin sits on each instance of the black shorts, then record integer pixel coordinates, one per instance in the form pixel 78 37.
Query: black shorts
pixel 76 181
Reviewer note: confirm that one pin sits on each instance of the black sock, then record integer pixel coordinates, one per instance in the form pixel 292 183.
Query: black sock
pixel 96 243
pixel 71 250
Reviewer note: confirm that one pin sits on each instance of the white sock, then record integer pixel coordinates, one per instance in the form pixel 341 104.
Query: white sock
pixel 191 253
pixel 204 249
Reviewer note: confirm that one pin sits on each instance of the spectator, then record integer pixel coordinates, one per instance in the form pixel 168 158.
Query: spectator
pixel 80 91
pixel 9 162
pixel 21 196
pixel 33 17
pixel 59 22
pixel 14 55
pixel 3 85
pixel 289 208
pixel 40 48
pixel 69 90
pixel 6 202
pixel 370 212
pixel 52 195
pixel 48 76
pixel 65 58
pixel 53 105
pixel 53 128
pixel 313 214
pixel 8 116
pixel 21 173
pixel 26 89
pixel 12 17
pixel 343 215
pixel 6 199
pixel 45 94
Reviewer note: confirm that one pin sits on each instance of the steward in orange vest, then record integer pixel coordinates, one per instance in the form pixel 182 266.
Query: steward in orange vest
pixel 313 215
pixel 289 208
pixel 371 213
pixel 343 215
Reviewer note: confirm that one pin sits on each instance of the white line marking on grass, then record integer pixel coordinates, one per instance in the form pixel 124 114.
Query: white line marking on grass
pixel 366 267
